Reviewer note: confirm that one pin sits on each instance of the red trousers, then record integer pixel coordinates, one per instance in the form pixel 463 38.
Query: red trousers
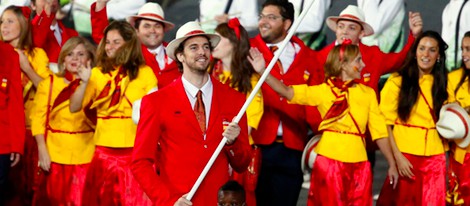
pixel 336 183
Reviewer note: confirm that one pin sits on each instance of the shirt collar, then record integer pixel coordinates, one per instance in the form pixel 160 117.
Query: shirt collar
pixel 157 51
pixel 192 90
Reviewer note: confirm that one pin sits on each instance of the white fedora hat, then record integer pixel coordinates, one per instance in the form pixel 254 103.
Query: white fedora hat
pixel 351 13
pixel 190 29
pixel 151 11
pixel 454 124
pixel 309 155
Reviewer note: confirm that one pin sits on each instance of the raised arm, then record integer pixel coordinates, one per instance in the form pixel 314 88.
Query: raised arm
pixel 76 100
pixel 256 59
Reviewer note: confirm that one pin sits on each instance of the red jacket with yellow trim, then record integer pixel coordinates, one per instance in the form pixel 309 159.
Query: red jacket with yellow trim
pixel 12 122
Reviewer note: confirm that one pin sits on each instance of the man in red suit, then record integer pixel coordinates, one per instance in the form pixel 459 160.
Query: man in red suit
pixel 48 32
pixel 12 123
pixel 150 25
pixel 186 138
pixel 282 131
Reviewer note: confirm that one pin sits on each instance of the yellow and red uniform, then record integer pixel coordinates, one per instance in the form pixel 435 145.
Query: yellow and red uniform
pixel 69 141
pixel 114 136
pixel 342 145
pixel 418 140
pixel 461 162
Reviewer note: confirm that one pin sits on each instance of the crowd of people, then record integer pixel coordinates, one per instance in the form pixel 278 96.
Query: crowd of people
pixel 128 119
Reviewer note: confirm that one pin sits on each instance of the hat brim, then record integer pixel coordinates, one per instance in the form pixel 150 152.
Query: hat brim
pixel 464 142
pixel 332 23
pixel 170 48
pixel 168 25
pixel 308 150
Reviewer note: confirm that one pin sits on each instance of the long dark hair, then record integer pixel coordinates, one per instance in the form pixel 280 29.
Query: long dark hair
pixel 466 71
pixel 241 69
pixel 129 55
pixel 409 89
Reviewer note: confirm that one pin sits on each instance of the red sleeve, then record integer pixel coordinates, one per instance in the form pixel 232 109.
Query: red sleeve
pixel 239 153
pixel 391 62
pixel 41 27
pixel 99 22
pixel 15 103
pixel 145 148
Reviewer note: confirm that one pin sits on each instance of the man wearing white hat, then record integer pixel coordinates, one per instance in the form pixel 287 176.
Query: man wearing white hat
pixel 173 120
pixel 150 25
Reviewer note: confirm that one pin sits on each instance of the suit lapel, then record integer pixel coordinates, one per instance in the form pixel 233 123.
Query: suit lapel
pixel 215 105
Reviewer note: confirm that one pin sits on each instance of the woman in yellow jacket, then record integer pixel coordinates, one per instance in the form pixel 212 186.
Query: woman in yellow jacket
pixel 459 90
pixel 231 66
pixel 16 30
pixel 120 78
pixel 410 101
pixel 65 139
pixel 341 173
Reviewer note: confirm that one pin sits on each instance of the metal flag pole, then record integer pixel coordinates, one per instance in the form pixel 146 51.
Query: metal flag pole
pixel 249 99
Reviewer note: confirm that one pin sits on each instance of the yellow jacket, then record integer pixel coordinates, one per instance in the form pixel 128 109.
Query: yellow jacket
pixel 417 136
pixel 462 96
pixel 70 138
pixel 363 107
pixel 40 64
pixel 115 127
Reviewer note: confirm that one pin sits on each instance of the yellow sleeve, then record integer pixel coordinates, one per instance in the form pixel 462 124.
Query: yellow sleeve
pixel 389 99
pixel 39 110
pixel 452 80
pixel 255 110
pixel 40 62
pixel 307 95
pixel 376 122
pixel 147 76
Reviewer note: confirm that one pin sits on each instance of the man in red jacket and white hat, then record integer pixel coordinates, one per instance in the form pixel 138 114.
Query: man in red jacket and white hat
pixel 151 26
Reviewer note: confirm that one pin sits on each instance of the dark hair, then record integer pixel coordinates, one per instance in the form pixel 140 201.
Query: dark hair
pixel 180 49
pixel 129 55
pixel 233 186
pixel 286 8
pixel 409 89
pixel 241 68
pixel 139 20
pixel 466 71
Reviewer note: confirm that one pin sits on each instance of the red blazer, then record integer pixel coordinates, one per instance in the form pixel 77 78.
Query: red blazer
pixel 276 108
pixel 167 120
pixel 99 21
pixel 44 38
pixel 12 122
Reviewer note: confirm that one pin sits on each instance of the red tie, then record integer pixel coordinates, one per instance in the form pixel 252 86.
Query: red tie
pixel 278 62
pixel 200 111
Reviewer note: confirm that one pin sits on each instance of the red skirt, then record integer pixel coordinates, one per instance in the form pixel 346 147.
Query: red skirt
pixel 428 187
pixel 109 179
pixel 462 171
pixel 338 183
pixel 63 185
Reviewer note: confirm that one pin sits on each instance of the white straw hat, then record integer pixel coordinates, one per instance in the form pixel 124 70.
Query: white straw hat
pixel 454 124
pixel 351 13
pixel 309 155
pixel 151 11
pixel 189 29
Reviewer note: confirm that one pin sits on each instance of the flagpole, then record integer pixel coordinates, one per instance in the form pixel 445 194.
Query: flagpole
pixel 249 99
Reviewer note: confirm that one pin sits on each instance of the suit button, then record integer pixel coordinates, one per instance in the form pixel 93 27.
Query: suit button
pixel 205 146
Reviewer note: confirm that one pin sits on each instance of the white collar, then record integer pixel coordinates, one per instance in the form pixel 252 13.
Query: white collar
pixel 192 90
